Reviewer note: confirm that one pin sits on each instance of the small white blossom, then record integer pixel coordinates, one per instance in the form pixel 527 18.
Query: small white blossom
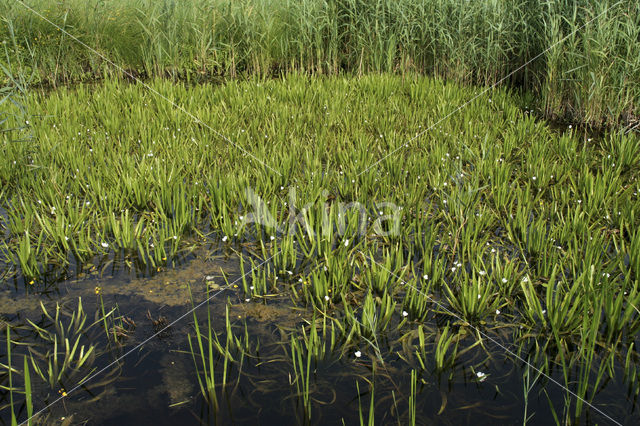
pixel 358 354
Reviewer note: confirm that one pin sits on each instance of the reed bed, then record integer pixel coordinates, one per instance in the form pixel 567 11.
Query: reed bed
pixel 586 70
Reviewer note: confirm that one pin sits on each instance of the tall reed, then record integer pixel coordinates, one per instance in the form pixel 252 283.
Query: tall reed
pixel 586 71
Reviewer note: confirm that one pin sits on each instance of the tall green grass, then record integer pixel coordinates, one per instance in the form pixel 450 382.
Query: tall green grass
pixel 591 77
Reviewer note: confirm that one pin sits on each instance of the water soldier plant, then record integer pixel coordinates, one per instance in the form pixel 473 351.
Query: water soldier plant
pixel 491 231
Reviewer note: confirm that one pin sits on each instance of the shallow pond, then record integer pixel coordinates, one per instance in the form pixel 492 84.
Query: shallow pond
pixel 148 374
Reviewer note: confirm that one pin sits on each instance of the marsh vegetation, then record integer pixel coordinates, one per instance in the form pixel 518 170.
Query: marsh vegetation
pixel 372 237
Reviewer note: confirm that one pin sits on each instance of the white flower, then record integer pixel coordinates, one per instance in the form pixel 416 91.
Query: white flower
pixel 209 278
pixel 425 277
pixel 346 243
pixel 482 273
pixel 272 238
pixel 66 238
pixel 358 354
pixel 482 376
pixel 225 238
pixel 247 300
pixel 544 311
pixel 405 313
pixel 326 298
pixel 504 280
pixel 105 245
pixel 497 311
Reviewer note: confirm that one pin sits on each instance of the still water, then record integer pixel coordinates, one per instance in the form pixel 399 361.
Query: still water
pixel 148 374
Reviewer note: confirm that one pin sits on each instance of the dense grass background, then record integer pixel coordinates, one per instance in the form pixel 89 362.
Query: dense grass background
pixel 592 77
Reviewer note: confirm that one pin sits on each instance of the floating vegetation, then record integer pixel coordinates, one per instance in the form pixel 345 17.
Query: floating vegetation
pixel 385 269
pixel 61 354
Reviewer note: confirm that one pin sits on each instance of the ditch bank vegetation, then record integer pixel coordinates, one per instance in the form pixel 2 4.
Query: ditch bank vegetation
pixel 580 60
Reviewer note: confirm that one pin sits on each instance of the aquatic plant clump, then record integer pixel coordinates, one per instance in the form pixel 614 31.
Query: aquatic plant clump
pixel 394 242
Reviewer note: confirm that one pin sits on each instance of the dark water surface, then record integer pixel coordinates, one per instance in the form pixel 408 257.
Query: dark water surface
pixel 156 383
